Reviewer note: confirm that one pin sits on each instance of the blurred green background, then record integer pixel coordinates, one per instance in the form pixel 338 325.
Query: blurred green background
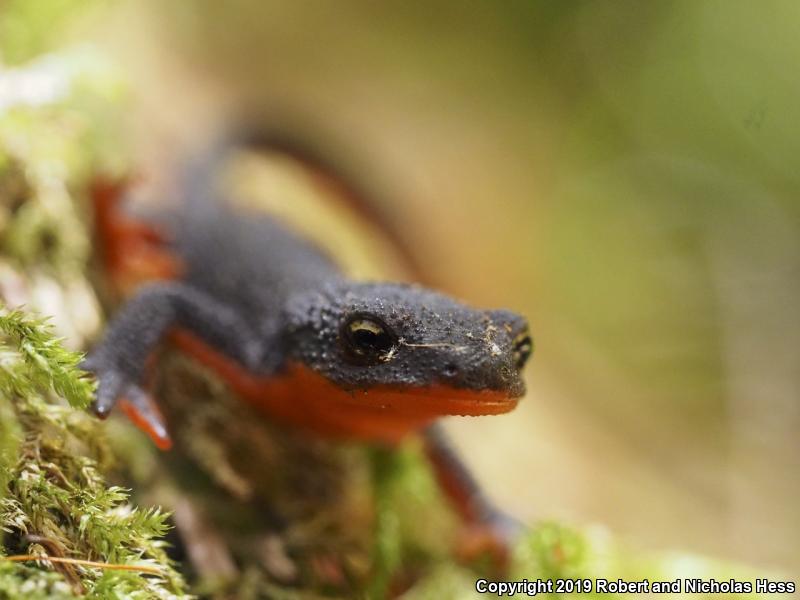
pixel 624 173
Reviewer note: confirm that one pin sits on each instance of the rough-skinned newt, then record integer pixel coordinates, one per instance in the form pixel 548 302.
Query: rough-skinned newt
pixel 280 323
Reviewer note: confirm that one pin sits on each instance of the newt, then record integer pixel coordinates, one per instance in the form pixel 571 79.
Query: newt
pixel 276 318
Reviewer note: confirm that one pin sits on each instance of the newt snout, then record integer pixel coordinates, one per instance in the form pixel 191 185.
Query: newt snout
pixel 492 359
pixel 419 347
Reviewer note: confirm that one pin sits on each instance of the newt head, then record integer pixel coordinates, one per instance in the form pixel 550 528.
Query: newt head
pixel 407 349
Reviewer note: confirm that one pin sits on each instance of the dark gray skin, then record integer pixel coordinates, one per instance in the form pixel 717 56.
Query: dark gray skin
pixel 435 339
pixel 262 296
pixel 293 305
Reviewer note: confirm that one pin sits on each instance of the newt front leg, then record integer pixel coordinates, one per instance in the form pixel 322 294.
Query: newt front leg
pixel 119 361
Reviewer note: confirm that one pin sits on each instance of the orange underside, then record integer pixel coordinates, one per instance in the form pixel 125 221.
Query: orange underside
pixel 135 253
pixel 305 399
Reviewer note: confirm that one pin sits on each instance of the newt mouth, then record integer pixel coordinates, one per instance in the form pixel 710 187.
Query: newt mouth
pixel 436 401
pixel 301 397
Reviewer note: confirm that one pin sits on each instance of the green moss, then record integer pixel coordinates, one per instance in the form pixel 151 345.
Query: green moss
pixel 54 497
pixel 42 362
pixel 33 583
pixel 55 500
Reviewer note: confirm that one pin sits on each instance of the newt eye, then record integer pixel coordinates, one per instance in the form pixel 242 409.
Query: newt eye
pixel 368 339
pixel 522 349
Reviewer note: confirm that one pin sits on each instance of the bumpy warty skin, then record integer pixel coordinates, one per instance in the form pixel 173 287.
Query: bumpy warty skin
pixel 296 299
pixel 438 340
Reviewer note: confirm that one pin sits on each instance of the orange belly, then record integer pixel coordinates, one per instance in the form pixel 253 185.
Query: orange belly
pixel 136 253
pixel 303 398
